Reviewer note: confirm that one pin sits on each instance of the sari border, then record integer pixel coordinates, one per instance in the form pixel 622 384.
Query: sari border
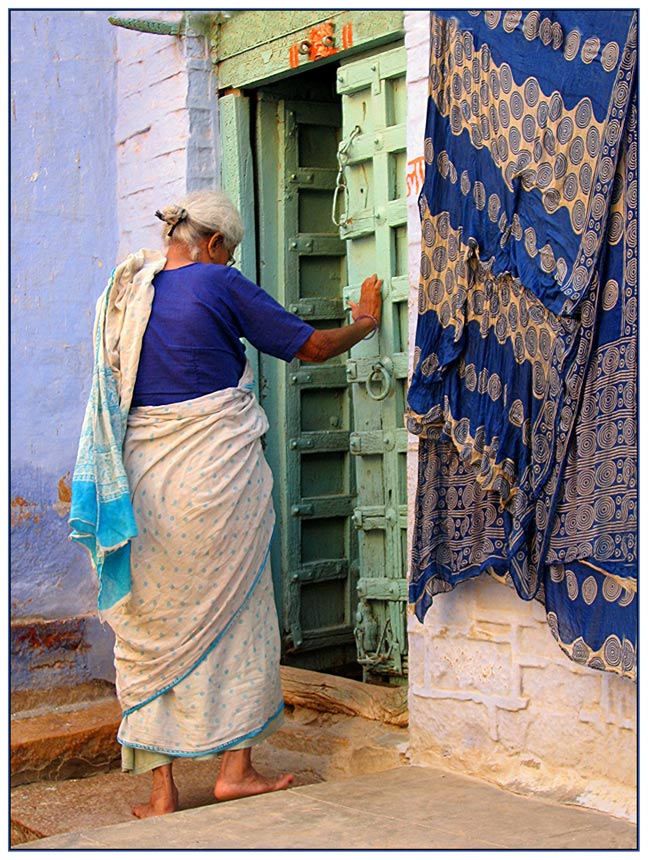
pixel 216 749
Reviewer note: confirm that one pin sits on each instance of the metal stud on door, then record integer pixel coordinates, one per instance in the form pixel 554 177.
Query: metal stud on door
pixel 375 230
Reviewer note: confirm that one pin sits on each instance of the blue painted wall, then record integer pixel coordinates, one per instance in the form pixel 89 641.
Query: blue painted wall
pixel 63 245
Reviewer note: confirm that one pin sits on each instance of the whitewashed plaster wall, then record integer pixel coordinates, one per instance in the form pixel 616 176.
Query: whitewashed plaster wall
pixel 491 694
pixel 167 132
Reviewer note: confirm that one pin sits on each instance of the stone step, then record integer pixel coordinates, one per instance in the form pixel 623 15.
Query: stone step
pixel 315 746
pixel 65 741
pixel 70 732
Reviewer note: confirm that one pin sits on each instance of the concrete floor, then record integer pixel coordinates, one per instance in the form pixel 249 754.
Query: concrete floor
pixel 401 808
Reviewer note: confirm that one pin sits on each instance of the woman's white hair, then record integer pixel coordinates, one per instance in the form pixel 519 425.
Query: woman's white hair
pixel 200 214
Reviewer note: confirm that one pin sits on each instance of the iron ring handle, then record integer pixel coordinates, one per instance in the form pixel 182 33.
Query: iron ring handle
pixel 379 373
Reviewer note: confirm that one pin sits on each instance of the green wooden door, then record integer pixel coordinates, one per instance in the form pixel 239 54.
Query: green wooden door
pixel 302 263
pixel 337 444
pixel 373 94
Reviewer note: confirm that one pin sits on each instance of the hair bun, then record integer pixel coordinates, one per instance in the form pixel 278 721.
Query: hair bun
pixel 172 215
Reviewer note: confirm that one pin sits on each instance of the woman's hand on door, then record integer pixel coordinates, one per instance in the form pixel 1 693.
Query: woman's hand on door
pixel 326 343
pixel 370 303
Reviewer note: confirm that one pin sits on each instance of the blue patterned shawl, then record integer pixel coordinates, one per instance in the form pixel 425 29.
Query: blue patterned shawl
pixel 524 385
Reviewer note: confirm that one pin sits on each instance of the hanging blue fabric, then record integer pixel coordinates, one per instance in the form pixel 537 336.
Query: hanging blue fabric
pixel 524 385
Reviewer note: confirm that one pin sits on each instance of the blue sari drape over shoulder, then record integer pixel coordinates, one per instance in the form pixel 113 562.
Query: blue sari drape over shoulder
pixel 523 392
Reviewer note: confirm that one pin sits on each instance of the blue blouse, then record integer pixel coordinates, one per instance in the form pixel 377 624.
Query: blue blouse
pixel 192 345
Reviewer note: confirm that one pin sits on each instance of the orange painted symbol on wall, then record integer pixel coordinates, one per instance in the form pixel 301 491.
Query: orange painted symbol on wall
pixel 322 41
pixel 415 175
pixel 320 44
pixel 347 36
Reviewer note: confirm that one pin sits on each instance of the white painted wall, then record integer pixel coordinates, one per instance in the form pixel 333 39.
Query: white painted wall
pixel 491 694
pixel 166 135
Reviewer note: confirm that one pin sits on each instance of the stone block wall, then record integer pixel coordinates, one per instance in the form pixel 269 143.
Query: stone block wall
pixel 491 694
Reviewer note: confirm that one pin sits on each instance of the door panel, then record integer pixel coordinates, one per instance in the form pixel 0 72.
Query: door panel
pixel 303 265
pixel 373 99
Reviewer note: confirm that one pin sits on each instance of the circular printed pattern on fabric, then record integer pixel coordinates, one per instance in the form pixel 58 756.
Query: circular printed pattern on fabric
pixel 506 78
pixel 485 58
pixel 479 194
pixel 611 590
pixel 590 49
pixel 555 107
pixel 511 20
pixel 494 205
pixel 531 341
pixel 560 165
pixel 544 174
pixel 606 474
pixel 443 225
pixel 439 258
pixel 607 437
pixel 430 364
pixel 542 114
pixel 429 233
pixel 586 482
pixel 628 658
pixel 570 187
pixel 531 26
pixel 517 105
pixel 516 413
pixel 445 314
pixel 492 18
pixel 572 584
pixel 546 33
pixel 580 651
pixel 612 651
pixel 565 130
pixel 502 148
pixel 613 132
pixel 450 284
pixel 584 518
pixel 470 378
pixel 556 35
pixel 494 386
pixel 572 44
pixel 435 291
pixel 626 598
pixel 545 343
pixel 576 150
pixel 585 178
pixel 529 128
pixel 593 141
pixel 578 215
pixel 610 56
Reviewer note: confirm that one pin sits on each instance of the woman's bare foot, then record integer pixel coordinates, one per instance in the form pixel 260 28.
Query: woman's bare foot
pixel 164 795
pixel 237 778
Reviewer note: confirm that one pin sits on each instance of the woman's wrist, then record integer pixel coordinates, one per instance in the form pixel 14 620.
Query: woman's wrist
pixel 372 319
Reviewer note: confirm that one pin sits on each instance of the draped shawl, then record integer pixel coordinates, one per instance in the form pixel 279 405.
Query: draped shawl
pixel 523 392
pixel 101 514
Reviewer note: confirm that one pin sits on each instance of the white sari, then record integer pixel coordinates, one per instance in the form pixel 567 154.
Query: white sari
pixel 197 642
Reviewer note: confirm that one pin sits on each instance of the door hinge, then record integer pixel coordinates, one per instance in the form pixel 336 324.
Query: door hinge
pixel 382 588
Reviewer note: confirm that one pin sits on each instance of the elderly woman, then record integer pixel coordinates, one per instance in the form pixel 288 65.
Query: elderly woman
pixel 172 496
